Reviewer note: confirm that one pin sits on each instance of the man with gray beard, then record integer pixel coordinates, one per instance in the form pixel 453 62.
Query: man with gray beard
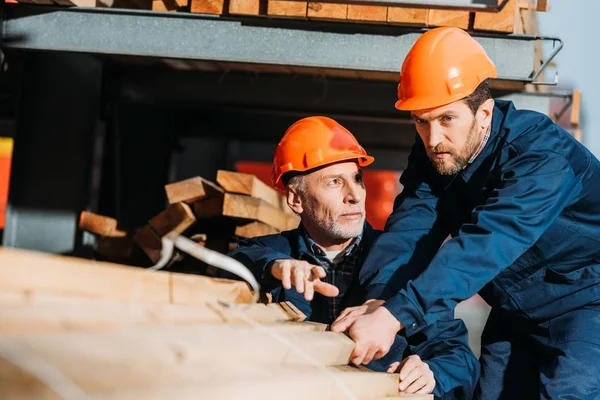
pixel 315 266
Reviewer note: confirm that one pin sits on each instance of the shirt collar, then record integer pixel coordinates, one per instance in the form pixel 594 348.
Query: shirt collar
pixel 318 251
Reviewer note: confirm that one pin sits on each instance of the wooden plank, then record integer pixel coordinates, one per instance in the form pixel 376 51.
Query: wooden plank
pixel 247 7
pixel 407 16
pixel 327 11
pixel 367 13
pixel 208 208
pixel 191 190
pixel 575 108
pixel 542 5
pixel 183 381
pixel 246 207
pixel 208 6
pixel 149 242
pixel 458 19
pixel 100 225
pixel 254 229
pixel 22 270
pixel 160 5
pixel 192 289
pixel 176 218
pixel 237 182
pixel 287 8
pixel 503 21
pixel 63 314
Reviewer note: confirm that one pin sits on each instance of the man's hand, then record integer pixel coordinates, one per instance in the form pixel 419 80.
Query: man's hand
pixel 304 276
pixel 415 375
pixel 372 328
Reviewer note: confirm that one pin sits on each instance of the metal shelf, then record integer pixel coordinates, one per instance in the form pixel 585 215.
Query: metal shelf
pixel 311 44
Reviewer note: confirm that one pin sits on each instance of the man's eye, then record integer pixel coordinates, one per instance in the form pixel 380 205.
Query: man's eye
pixel 420 121
pixel 334 181
pixel 358 178
pixel 447 118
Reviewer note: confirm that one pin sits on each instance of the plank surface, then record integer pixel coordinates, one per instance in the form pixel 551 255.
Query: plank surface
pixel 208 6
pixel 407 16
pixel 100 225
pixel 176 218
pixel 22 270
pixel 287 8
pixel 245 7
pixel 503 21
pixel 327 11
pixel 237 182
pixel 458 19
pixel 367 13
pixel 183 381
pixel 191 289
pixel 254 229
pixel 246 207
pixel 191 190
pixel 149 242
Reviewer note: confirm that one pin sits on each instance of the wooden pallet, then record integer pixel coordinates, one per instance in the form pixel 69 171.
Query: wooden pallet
pixel 74 328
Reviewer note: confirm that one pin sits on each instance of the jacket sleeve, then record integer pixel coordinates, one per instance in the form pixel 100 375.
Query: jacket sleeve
pixel 258 253
pixel 534 188
pixel 412 234
pixel 445 347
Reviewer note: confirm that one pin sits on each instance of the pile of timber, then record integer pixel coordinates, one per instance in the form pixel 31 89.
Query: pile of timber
pixel 215 215
pixel 513 17
pixel 78 329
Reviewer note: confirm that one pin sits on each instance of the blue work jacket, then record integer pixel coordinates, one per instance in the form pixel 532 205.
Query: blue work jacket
pixel 444 345
pixel 524 219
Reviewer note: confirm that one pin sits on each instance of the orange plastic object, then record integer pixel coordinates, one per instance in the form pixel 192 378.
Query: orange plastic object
pixel 382 188
pixel 444 65
pixel 6 146
pixel 313 142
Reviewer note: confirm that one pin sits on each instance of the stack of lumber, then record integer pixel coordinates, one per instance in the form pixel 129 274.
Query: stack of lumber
pixel 216 216
pixel 77 329
pixel 513 17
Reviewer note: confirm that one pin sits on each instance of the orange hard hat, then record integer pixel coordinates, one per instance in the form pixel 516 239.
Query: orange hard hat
pixel 444 65
pixel 313 142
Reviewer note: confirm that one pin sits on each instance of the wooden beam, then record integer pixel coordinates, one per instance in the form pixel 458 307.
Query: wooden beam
pixel 254 229
pixel 237 182
pixel 149 242
pixel 185 381
pixel 246 207
pixel 192 289
pixel 176 218
pixel 22 270
pixel 246 7
pixel 407 16
pixel 100 225
pixel 367 13
pixel 287 8
pixel 191 190
pixel 458 19
pixel 208 6
pixel 327 11
pixel 23 314
pixel 503 21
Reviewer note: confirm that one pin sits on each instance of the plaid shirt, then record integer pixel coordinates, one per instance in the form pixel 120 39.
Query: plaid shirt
pixel 339 274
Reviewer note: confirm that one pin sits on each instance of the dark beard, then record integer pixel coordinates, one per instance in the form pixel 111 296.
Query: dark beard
pixel 457 161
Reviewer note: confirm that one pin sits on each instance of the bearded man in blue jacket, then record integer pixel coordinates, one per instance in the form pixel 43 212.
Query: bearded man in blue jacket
pixel 520 198
pixel 316 266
